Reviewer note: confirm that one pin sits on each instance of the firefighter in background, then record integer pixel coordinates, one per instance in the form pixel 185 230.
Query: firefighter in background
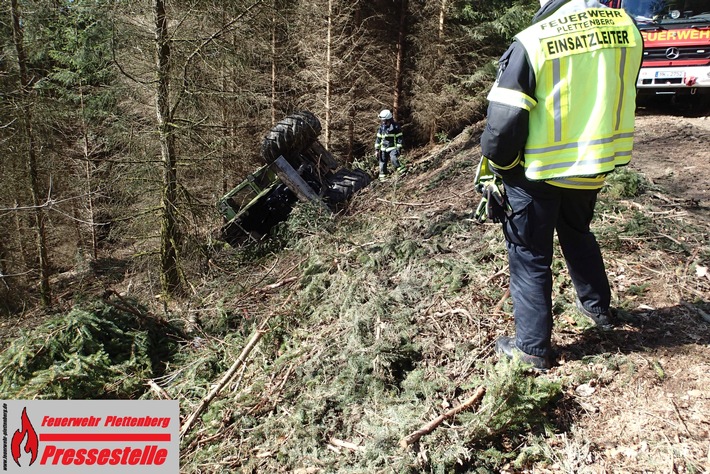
pixel 560 118
pixel 388 144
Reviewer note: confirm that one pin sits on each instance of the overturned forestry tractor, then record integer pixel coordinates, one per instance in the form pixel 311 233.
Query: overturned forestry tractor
pixel 298 168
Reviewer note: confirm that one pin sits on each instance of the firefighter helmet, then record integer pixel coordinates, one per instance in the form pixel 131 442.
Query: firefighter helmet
pixel 385 115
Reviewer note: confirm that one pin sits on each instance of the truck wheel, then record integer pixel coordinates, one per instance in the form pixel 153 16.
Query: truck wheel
pixel 345 183
pixel 290 137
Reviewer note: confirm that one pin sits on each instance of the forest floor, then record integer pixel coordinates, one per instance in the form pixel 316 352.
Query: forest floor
pixel 645 405
pixel 657 418
pixel 387 315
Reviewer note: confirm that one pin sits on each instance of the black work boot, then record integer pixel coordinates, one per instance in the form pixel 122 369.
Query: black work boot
pixel 505 345
pixel 604 321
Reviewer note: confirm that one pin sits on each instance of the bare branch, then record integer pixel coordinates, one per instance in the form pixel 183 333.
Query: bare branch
pixel 433 424
pixel 199 48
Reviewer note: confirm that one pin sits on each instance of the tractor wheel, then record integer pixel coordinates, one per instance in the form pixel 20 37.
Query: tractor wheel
pixel 345 183
pixel 290 137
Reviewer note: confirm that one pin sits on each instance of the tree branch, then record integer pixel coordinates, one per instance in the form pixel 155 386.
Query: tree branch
pixel 192 419
pixel 433 424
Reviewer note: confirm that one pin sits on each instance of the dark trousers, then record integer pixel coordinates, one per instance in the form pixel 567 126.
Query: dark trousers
pixel 383 156
pixel 538 210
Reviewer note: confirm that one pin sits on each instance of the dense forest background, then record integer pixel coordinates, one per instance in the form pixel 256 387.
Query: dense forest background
pixel 122 123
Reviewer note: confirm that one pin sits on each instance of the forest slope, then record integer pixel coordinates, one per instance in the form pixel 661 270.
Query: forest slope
pixel 385 318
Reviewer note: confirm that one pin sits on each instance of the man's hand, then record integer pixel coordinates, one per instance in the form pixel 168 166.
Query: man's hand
pixel 493 204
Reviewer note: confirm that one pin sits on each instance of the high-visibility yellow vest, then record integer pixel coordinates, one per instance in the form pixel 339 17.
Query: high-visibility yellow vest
pixel 585 61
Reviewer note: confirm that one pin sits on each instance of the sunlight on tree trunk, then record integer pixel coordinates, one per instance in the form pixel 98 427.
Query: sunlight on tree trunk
pixel 88 176
pixel 442 18
pixel 169 235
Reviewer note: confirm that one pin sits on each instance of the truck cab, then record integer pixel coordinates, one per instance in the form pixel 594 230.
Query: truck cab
pixel 676 54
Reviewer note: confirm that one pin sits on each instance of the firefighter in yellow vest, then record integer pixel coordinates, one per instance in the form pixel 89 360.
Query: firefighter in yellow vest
pixel 560 118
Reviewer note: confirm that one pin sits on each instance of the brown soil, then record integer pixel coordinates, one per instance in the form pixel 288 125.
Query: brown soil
pixel 673 151
pixel 652 412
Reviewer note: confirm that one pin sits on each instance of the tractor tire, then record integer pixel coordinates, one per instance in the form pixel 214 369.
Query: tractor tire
pixel 345 183
pixel 290 137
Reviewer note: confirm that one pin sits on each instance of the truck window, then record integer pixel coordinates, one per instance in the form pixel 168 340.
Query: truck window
pixel 649 9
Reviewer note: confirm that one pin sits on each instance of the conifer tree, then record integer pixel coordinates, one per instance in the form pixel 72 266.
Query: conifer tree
pixel 83 81
pixel 30 150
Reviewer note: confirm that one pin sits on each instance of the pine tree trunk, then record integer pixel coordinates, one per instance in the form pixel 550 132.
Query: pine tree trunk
pixel 328 67
pixel 440 55
pixel 357 17
pixel 442 19
pixel 39 215
pixel 274 24
pixel 169 235
pixel 400 57
pixel 3 267
pixel 88 176
pixel 19 231
pixel 227 120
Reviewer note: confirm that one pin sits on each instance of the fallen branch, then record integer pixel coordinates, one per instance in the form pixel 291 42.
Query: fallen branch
pixel 501 302
pixel 158 390
pixel 204 403
pixel 682 421
pixel 339 443
pixel 453 311
pixel 278 284
pixel 500 272
pixel 413 204
pixel 665 199
pixel 122 305
pixel 433 424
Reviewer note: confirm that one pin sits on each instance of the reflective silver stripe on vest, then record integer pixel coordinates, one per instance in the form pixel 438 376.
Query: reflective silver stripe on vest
pixel 622 70
pixel 557 99
pixel 511 97
pixel 574 145
pixel 554 166
pixel 576 184
pixel 579 163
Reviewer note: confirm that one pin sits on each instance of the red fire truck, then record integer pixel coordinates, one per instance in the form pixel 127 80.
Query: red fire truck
pixel 676 33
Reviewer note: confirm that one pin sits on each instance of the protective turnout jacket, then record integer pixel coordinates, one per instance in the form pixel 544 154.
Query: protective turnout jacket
pixel 563 103
pixel 389 137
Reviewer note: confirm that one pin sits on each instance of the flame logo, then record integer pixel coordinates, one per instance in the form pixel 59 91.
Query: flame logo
pixel 32 443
